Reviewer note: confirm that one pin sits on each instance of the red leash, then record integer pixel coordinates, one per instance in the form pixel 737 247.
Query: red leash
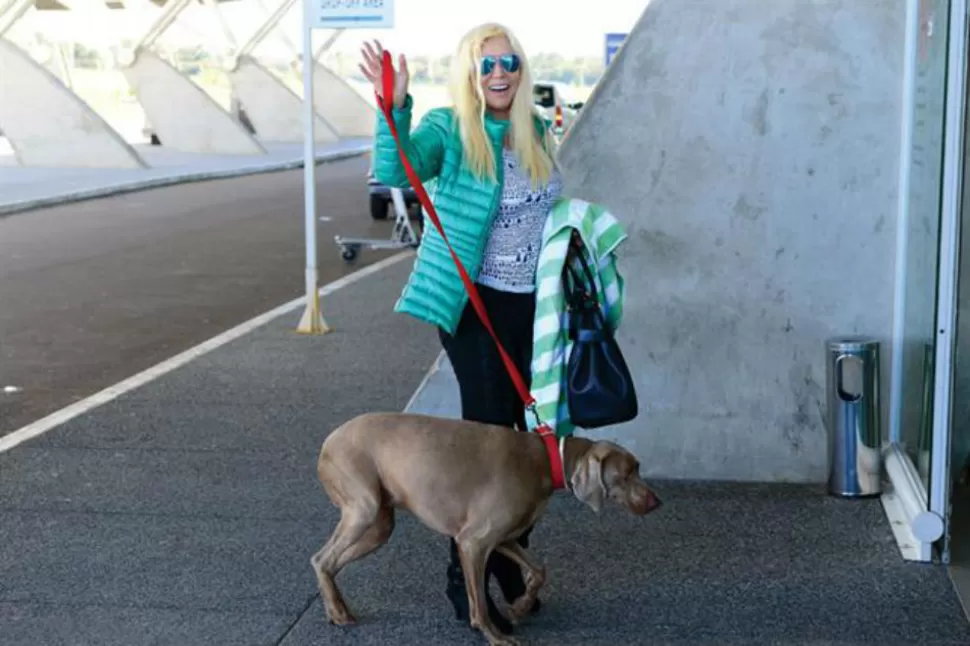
pixel 552 448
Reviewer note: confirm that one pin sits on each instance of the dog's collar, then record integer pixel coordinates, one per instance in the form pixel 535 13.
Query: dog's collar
pixel 556 459
pixel 562 461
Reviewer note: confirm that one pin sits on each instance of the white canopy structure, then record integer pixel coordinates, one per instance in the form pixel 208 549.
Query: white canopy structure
pixel 49 125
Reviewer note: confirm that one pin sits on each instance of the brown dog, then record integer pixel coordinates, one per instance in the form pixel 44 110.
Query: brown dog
pixel 483 485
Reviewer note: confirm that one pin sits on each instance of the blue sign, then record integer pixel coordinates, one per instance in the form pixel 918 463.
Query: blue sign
pixel 613 42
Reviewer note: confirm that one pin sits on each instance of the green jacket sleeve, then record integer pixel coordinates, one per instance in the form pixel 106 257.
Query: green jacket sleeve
pixel 424 147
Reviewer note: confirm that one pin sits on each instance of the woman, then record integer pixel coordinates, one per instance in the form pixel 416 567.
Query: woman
pixel 490 159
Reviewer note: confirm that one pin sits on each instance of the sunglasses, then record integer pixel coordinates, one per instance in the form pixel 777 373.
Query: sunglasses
pixel 509 62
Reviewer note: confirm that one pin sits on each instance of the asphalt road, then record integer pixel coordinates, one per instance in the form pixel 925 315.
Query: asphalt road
pixel 94 292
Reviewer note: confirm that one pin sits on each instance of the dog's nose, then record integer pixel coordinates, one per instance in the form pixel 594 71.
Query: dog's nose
pixel 652 503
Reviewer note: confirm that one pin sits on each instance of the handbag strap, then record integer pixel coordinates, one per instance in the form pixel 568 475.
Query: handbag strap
pixel 542 429
pixel 577 296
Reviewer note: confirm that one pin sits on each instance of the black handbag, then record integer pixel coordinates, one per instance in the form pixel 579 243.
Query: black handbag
pixel 599 388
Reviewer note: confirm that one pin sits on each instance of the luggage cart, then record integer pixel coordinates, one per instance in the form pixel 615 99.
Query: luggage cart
pixel 402 235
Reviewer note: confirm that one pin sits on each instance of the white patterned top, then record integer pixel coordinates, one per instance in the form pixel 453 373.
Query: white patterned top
pixel 512 250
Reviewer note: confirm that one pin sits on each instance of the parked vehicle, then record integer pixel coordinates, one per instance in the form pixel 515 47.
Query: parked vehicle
pixel 380 198
pixel 550 98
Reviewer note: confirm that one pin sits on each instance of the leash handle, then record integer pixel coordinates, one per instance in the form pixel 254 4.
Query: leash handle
pixel 387 78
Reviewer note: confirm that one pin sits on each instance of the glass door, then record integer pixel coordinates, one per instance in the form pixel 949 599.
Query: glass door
pixel 930 177
pixel 957 544
pixel 948 407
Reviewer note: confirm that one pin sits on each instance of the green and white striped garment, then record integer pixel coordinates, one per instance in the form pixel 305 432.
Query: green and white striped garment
pixel 601 234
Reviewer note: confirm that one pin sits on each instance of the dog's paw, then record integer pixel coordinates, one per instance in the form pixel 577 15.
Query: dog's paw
pixel 343 620
pixel 504 640
pixel 521 609
pixel 341 616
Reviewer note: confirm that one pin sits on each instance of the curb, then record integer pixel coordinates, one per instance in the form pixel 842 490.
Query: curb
pixel 133 186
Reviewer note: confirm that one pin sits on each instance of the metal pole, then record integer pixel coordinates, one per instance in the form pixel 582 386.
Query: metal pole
pixel 312 321
pixel 66 66
pixel 14 14
pixel 949 255
pixel 223 24
pixel 282 37
pixel 328 43
pixel 902 219
pixel 169 15
pixel 264 30
pixel 5 6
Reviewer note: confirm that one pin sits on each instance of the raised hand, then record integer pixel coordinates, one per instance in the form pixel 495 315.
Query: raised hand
pixel 371 68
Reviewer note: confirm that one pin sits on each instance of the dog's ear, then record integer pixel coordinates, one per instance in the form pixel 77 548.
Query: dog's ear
pixel 587 481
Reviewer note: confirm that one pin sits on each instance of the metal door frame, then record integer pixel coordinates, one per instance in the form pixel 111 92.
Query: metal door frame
pixel 920 515
pixel 954 143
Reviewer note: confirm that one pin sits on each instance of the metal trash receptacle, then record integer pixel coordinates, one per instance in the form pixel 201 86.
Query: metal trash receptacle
pixel 853 418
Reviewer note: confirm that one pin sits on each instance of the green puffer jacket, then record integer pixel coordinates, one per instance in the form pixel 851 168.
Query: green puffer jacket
pixel 466 205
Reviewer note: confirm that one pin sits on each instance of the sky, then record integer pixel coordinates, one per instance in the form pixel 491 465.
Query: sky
pixel 422 27
pixel 568 27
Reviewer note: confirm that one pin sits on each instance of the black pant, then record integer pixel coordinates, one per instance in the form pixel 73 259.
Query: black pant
pixel 488 394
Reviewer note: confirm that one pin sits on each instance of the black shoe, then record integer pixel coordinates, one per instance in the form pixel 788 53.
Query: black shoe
pixel 457 593
pixel 510 579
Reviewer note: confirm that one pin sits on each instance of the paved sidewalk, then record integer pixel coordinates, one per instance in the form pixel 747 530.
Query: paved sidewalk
pixel 28 188
pixel 185 513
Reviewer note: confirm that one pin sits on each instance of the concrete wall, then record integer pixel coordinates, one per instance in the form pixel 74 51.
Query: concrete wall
pixel 50 126
pixel 275 111
pixel 340 104
pixel 751 149
pixel 182 114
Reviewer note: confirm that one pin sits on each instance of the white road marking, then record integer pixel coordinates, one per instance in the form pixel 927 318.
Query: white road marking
pixel 57 418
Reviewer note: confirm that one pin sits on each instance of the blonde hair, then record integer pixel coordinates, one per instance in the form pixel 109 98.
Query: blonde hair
pixel 469 105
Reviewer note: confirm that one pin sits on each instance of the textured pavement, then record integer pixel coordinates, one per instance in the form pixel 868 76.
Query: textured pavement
pixel 185 513
pixel 94 292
